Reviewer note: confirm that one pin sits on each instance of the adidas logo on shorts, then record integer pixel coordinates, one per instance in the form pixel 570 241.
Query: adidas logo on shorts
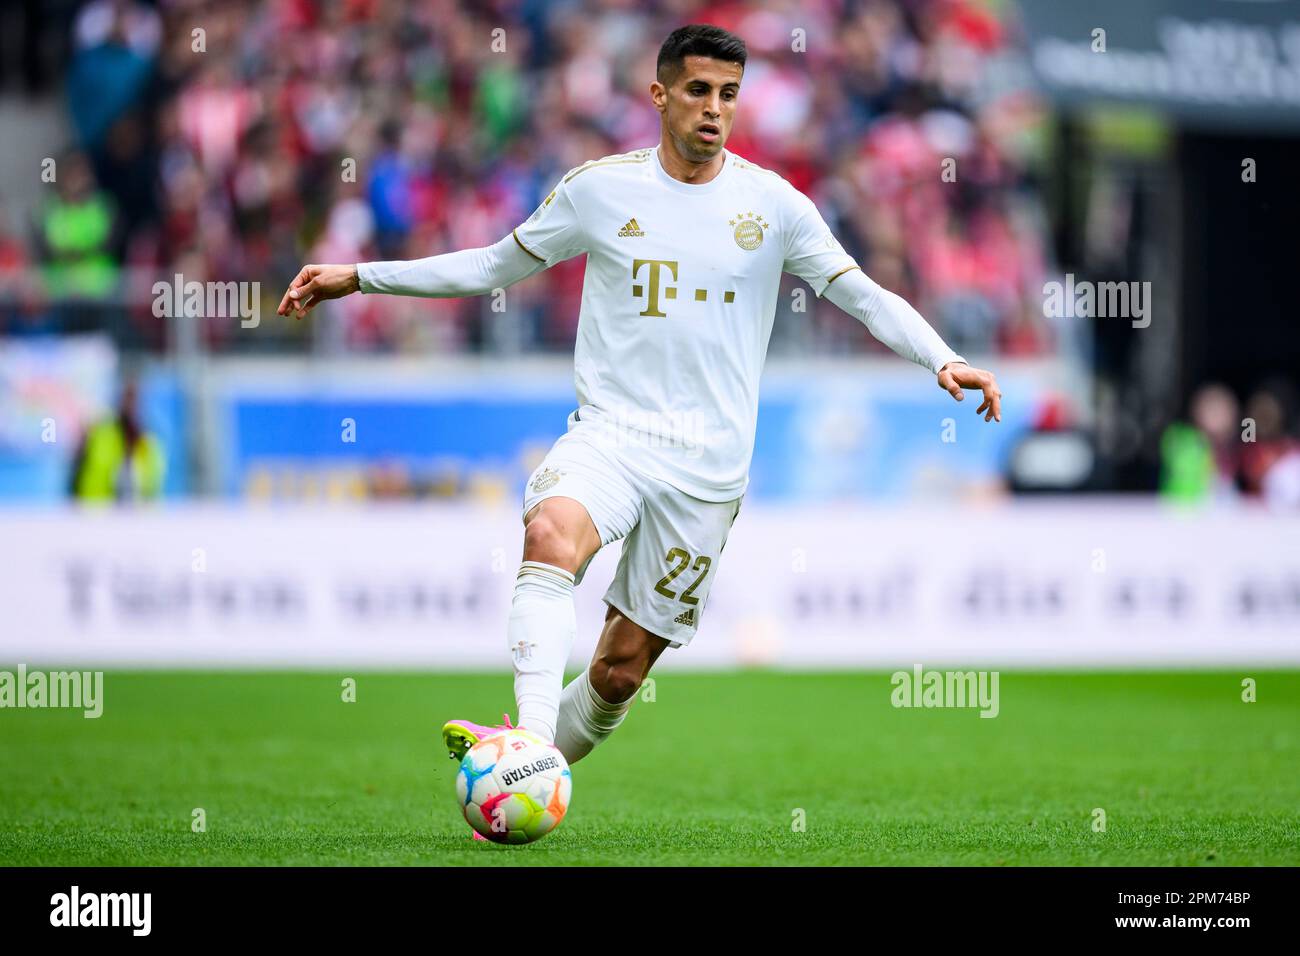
pixel 687 617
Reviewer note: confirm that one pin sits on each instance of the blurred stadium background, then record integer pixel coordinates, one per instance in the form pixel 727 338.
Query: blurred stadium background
pixel 345 489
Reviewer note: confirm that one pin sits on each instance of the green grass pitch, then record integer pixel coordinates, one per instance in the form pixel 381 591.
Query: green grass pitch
pixel 713 771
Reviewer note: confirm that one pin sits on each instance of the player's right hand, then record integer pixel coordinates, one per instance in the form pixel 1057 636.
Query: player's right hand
pixel 315 284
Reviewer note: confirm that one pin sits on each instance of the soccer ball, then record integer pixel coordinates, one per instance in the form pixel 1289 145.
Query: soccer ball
pixel 514 787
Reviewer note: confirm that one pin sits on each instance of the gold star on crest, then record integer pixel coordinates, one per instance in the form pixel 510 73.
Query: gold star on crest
pixel 741 218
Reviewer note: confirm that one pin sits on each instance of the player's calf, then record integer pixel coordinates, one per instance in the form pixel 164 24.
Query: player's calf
pixel 624 655
pixel 596 701
pixel 616 680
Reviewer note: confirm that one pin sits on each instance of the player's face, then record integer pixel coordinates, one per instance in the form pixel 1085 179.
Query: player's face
pixel 700 105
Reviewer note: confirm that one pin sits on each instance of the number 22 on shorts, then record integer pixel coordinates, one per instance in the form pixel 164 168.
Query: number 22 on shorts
pixel 683 559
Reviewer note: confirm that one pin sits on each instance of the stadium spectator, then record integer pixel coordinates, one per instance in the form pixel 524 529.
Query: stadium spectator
pixel 1268 462
pixel 119 460
pixel 76 235
pixel 115 45
pixel 1200 459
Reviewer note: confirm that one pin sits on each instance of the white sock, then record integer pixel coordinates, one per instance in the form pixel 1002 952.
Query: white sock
pixel 586 718
pixel 540 634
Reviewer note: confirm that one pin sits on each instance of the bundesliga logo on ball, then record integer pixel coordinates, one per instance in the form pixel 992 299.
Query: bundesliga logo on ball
pixel 514 787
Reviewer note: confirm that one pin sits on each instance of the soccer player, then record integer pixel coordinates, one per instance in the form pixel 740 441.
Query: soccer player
pixel 685 245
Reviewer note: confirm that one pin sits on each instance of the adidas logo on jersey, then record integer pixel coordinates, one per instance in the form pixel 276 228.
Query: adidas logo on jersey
pixel 632 228
pixel 687 617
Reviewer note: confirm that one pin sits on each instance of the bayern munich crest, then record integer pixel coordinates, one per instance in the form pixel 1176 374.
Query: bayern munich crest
pixel 546 479
pixel 749 230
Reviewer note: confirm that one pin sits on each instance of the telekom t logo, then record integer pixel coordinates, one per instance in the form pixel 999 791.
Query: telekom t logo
pixel 670 292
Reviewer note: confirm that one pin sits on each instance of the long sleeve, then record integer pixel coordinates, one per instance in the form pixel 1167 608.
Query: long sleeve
pixel 890 319
pixel 551 234
pixel 454 274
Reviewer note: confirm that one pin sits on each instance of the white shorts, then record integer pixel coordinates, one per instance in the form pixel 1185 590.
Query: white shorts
pixel 671 540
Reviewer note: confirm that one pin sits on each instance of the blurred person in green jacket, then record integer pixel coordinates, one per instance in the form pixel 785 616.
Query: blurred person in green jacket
pixel 1199 459
pixel 76 235
pixel 118 460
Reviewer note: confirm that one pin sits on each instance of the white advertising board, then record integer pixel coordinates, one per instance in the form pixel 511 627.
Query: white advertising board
pixel 1098 583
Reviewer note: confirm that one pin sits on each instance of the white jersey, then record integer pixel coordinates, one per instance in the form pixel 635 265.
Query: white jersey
pixel 678 301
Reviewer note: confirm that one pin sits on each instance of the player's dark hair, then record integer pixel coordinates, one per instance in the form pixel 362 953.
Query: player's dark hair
pixel 697 39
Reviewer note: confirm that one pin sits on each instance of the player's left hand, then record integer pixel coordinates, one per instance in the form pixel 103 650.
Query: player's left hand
pixel 955 375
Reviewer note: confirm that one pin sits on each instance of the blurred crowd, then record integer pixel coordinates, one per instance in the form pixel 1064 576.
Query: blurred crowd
pixel 1225 448
pixel 235 140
